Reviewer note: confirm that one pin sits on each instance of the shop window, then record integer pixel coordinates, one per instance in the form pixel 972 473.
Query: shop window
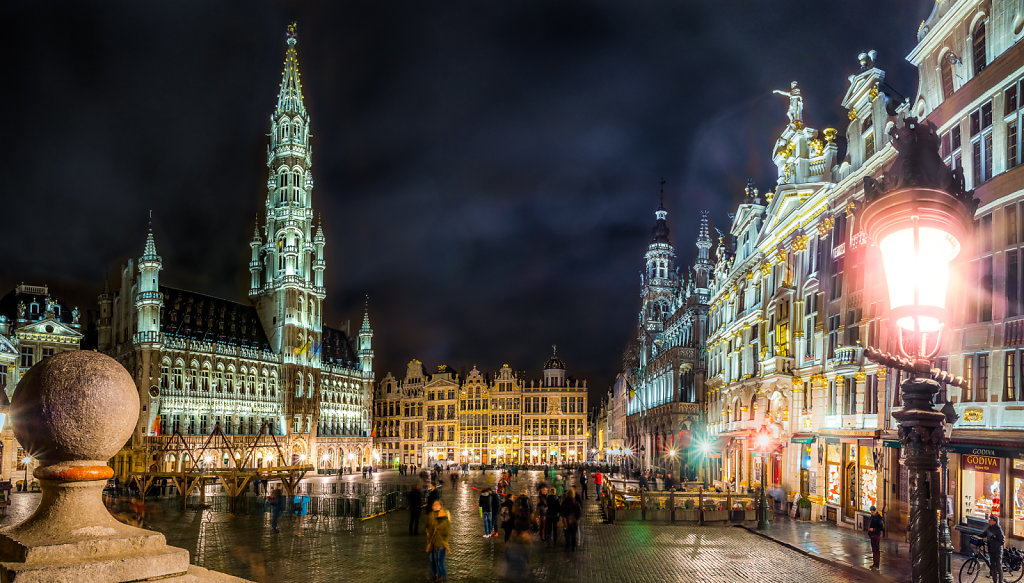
pixel 833 477
pixel 980 490
pixel 1018 497
pixel 868 478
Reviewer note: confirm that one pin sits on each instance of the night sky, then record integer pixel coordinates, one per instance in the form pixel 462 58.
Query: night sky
pixel 487 171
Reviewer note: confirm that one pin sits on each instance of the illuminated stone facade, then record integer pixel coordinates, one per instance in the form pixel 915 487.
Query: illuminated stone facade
pixel 475 418
pixel 33 326
pixel 796 296
pixel 202 362
pixel 659 392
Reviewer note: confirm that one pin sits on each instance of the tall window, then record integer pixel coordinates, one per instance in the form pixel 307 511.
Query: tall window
pixel 810 322
pixel 951 148
pixel 985 302
pixel 946 72
pixel 1010 384
pixel 1012 110
pixel 1012 282
pixel 868 136
pixel 871 394
pixel 981 143
pixel 969 378
pixel 978 49
pixel 27 356
pixel 849 396
pixel 981 390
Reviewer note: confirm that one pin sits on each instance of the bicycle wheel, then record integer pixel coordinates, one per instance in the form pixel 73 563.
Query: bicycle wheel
pixel 1012 576
pixel 969 570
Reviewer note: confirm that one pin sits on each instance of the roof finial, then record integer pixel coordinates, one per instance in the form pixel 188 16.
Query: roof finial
pixel 291 34
pixel 554 349
pixel 150 219
pixel 661 199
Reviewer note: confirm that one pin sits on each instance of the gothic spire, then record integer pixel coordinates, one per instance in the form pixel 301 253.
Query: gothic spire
pixel 289 100
pixel 660 232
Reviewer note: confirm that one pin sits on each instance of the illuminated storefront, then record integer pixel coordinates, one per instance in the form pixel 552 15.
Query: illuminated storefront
pixel 986 479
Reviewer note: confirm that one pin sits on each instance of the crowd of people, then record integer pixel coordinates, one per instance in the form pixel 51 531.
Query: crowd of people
pixel 555 510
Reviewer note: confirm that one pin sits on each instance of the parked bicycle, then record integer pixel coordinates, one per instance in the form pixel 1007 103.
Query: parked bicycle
pixel 978 564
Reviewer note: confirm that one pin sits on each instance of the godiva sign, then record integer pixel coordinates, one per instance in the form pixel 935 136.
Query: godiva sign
pixel 980 463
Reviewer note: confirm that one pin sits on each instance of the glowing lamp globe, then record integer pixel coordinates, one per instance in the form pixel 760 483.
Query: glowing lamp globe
pixel 919 216
pixel 762 440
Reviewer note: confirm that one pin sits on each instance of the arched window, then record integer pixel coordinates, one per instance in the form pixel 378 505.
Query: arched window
pixel 978 49
pixel 298 385
pixel 204 378
pixel 252 383
pixel 178 379
pixel 229 380
pixel 753 408
pixel 946 72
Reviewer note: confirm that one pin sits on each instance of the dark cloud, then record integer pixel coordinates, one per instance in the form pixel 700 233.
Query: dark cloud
pixel 487 172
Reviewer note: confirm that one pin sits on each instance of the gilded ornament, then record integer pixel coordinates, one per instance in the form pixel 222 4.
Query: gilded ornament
pixel 860 376
pixel 766 269
pixel 817 146
pixel 800 242
pixel 850 207
pixel 882 373
pixel 830 134
pixel 852 114
pixel 873 93
pixel 750 275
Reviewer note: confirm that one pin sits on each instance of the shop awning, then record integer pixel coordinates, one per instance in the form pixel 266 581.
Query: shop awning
pixel 802 438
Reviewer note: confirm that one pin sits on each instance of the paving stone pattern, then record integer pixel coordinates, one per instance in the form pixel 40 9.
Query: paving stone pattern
pixel 381 550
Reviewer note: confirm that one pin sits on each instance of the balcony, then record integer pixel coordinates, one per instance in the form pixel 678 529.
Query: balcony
pixel 147 337
pixel 777 365
pixel 148 296
pixel 847 359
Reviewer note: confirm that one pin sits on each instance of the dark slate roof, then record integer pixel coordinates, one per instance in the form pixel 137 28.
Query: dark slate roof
pixel 337 349
pixel 206 318
pixel 29 295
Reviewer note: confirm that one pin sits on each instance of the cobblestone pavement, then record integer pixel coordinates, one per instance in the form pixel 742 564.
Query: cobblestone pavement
pixel 381 550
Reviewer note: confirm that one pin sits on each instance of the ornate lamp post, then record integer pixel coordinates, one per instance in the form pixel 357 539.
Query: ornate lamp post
pixel 919 216
pixel 763 441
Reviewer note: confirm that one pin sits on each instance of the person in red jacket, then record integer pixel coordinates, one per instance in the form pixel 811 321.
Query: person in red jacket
pixel 598 479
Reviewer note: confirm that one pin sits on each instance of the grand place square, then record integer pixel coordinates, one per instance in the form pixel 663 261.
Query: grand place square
pixel 428 357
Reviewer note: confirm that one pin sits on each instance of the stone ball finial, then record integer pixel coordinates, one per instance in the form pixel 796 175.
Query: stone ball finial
pixel 76 406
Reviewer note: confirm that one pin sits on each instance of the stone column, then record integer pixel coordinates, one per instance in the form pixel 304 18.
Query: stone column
pixel 73 412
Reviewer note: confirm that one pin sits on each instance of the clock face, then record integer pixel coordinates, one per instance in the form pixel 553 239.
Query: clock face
pixel 153 391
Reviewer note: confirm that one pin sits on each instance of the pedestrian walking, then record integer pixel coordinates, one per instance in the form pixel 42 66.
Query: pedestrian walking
pixel 507 516
pixel 876 526
pixel 583 483
pixel 415 500
pixel 597 484
pixel 484 505
pixel 438 528
pixel 276 507
pixel 300 508
pixel 554 512
pixel 571 512
pixel 495 512
pixel 994 538
pixel 542 513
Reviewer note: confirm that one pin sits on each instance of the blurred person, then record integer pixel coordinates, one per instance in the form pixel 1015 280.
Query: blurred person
pixel 276 507
pixel 438 528
pixel 300 507
pixel 570 511
pixel 484 505
pixel 415 500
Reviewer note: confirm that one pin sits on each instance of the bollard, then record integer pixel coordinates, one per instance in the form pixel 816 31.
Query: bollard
pixel 74 411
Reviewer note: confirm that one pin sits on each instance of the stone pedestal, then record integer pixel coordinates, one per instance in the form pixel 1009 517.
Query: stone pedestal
pixel 73 412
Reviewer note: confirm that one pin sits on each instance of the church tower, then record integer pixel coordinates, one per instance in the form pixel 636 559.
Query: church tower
pixel 287 260
pixel 148 301
pixel 702 266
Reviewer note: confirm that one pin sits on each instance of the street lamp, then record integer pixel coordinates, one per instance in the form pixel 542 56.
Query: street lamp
pixel 763 442
pixel 920 217
pixel 705 450
pixel 26 460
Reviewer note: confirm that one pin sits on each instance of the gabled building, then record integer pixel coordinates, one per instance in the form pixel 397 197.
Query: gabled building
pixel 34 326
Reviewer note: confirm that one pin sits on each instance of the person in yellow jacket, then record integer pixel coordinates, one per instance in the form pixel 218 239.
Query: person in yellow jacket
pixel 439 526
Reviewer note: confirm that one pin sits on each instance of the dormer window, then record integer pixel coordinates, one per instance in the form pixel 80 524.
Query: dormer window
pixel 868 136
